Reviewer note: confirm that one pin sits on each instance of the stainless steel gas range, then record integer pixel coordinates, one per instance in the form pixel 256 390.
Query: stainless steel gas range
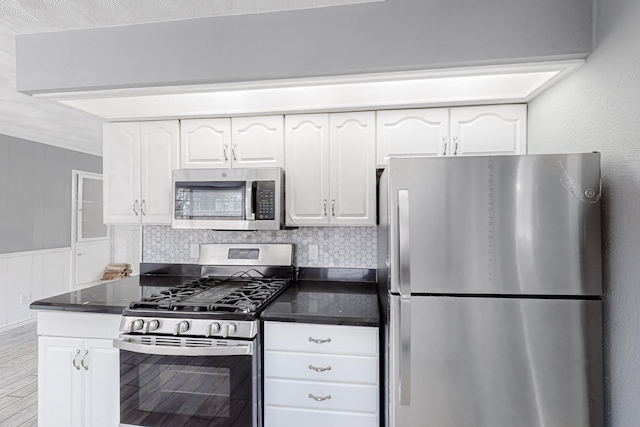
pixel 190 354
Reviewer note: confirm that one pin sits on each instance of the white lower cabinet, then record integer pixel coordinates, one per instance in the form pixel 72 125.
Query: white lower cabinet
pixel 320 375
pixel 78 378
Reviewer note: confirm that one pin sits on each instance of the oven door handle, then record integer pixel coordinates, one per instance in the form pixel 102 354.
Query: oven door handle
pixel 237 350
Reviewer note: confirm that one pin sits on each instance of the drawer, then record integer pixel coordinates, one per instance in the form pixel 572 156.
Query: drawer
pixel 291 417
pixel 337 397
pixel 301 337
pixel 321 367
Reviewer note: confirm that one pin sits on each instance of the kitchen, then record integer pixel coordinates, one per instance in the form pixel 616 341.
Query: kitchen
pixel 596 103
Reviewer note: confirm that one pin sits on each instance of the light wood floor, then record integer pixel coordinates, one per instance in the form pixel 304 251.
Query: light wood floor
pixel 19 377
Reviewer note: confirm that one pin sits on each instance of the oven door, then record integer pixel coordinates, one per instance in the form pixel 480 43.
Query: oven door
pixel 180 381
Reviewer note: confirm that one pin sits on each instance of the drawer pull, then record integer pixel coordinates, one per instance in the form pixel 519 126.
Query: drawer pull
pixel 319 398
pixel 313 368
pixel 319 341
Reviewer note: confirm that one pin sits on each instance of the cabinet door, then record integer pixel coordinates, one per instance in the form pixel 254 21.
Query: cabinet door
pixel 353 170
pixel 121 173
pixel 307 169
pixel 59 382
pixel 257 142
pixel 159 156
pixel 489 130
pixel 423 132
pixel 101 368
pixel 205 143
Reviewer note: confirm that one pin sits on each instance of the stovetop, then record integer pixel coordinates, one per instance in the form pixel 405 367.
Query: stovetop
pixel 240 298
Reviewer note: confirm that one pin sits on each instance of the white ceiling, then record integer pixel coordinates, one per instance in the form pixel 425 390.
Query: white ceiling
pixel 35 16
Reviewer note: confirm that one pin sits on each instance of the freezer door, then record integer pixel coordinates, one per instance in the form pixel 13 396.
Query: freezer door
pixel 496 362
pixel 520 225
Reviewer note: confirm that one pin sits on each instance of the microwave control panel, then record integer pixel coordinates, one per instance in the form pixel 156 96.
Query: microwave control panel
pixel 265 200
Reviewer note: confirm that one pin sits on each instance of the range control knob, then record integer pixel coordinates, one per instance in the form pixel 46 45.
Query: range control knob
pixel 135 325
pixel 229 329
pixel 181 327
pixel 151 325
pixel 213 329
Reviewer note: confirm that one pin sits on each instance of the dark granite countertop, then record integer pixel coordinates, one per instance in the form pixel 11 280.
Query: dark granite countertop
pixel 109 297
pixel 326 302
pixel 320 295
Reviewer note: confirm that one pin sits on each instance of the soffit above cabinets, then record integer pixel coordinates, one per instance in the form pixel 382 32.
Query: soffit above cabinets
pixel 28 16
pixel 434 88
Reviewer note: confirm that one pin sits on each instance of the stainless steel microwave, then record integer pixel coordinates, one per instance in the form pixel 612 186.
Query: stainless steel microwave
pixel 228 199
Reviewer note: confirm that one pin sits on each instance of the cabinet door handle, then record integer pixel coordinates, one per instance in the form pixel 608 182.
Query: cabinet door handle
pixel 319 398
pixel 455 150
pixel 225 152
pixel 75 360
pixel 333 207
pixel 324 202
pixel 233 152
pixel 313 368
pixel 135 207
pixel 83 361
pixel 319 341
pixel 142 207
pixel 444 151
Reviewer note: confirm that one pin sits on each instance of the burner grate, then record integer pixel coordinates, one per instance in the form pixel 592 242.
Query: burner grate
pixel 240 295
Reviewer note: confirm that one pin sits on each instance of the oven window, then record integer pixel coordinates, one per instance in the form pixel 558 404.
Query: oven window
pixel 186 391
pixel 206 200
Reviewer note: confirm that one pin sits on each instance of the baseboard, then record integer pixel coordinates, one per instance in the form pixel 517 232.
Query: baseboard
pixel 17 324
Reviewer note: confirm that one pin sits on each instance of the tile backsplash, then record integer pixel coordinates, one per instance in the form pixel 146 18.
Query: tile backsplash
pixel 346 247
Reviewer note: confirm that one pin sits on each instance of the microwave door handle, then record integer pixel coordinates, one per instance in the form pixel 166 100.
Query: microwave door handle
pixel 249 201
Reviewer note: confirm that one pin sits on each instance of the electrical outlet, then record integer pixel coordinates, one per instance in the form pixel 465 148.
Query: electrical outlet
pixel 194 250
pixel 25 298
pixel 313 252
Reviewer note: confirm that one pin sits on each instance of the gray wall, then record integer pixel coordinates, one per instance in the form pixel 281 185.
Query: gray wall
pixel 35 193
pixel 384 36
pixel 598 108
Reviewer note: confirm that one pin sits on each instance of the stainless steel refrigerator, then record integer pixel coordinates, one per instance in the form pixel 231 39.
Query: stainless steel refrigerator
pixel 489 272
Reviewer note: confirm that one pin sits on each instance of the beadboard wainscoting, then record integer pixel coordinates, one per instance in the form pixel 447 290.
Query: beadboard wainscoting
pixel 30 276
pixel 345 247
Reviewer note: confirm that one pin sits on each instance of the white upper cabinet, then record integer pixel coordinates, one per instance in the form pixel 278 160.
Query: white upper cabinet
pixel 307 169
pixel 205 144
pixel 411 132
pixel 460 131
pixel 257 142
pixel 159 156
pixel 121 173
pixel 241 142
pixel 489 130
pixel 330 169
pixel 353 175
pixel 138 161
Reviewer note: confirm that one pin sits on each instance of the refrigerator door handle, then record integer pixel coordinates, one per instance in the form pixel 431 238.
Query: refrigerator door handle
pixel 405 351
pixel 405 296
pixel 404 246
